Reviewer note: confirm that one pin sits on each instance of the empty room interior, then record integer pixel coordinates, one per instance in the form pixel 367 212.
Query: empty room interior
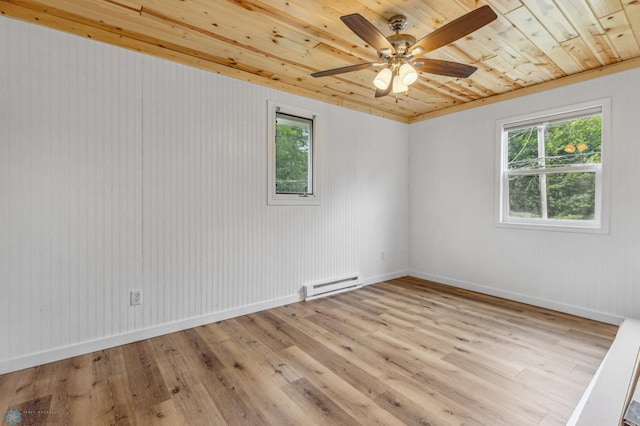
pixel 319 212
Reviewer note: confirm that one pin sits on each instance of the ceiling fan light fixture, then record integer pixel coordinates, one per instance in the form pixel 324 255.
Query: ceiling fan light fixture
pixel 399 86
pixel 383 79
pixel 408 75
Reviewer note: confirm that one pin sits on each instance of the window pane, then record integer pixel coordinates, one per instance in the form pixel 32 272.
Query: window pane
pixel 293 154
pixel 524 196
pixel 522 147
pixel 575 141
pixel 571 196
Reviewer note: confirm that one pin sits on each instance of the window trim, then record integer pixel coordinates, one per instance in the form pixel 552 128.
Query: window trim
pixel 600 224
pixel 284 199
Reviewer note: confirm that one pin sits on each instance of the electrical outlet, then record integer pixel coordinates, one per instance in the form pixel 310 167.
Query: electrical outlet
pixel 383 255
pixel 135 297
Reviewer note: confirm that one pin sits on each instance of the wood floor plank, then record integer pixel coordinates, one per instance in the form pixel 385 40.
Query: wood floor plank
pixel 517 392
pixel 190 396
pixel 405 351
pixel 146 384
pixel 408 392
pixel 301 319
pixel 107 363
pixel 262 388
pixel 412 413
pixel 206 358
pixel 320 408
pixel 72 393
pixel 357 404
pixel 233 403
pixel 271 364
pixel 183 381
pixel 268 327
pixel 163 413
pixel 480 398
pixel 111 402
pixel 12 385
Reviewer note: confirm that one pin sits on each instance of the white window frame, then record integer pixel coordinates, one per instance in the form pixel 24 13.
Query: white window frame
pixel 600 223
pixel 311 198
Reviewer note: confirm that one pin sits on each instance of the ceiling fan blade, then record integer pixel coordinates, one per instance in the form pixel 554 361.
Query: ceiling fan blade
pixel 367 32
pixel 446 68
pixel 456 29
pixel 384 92
pixel 342 70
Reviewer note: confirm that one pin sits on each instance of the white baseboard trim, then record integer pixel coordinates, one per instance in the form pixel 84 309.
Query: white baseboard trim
pixel 523 298
pixel 90 346
pixel 385 277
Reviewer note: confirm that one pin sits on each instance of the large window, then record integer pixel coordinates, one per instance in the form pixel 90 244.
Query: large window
pixel 292 156
pixel 551 168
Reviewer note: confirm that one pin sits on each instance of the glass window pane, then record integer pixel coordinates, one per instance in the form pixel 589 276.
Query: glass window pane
pixel 571 196
pixel 575 141
pixel 522 145
pixel 524 196
pixel 293 154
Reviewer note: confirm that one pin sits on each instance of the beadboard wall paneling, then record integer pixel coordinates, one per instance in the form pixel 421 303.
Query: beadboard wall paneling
pixel 382 196
pixel 73 146
pixel 453 237
pixel 210 228
pixel 130 172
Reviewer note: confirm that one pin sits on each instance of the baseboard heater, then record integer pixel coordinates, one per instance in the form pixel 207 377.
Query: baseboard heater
pixel 329 288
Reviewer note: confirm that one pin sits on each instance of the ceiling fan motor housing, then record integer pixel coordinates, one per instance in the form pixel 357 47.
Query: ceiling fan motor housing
pixel 397 22
pixel 401 42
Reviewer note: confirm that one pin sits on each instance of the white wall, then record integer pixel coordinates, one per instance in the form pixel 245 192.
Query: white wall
pixel 122 171
pixel 452 211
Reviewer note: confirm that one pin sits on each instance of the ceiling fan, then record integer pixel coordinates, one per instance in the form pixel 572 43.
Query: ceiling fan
pixel 398 52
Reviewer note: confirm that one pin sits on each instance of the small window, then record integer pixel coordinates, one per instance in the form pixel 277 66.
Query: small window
pixel 292 156
pixel 551 169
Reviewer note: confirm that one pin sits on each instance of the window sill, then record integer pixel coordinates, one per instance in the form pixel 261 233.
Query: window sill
pixel 293 200
pixel 544 225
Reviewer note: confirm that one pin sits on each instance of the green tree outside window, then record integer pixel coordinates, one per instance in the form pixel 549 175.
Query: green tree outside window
pixel 293 154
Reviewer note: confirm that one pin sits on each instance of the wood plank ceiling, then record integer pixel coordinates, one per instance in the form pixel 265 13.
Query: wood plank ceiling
pixel 532 46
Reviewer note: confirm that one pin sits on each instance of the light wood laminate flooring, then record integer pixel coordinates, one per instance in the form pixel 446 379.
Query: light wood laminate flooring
pixel 406 351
